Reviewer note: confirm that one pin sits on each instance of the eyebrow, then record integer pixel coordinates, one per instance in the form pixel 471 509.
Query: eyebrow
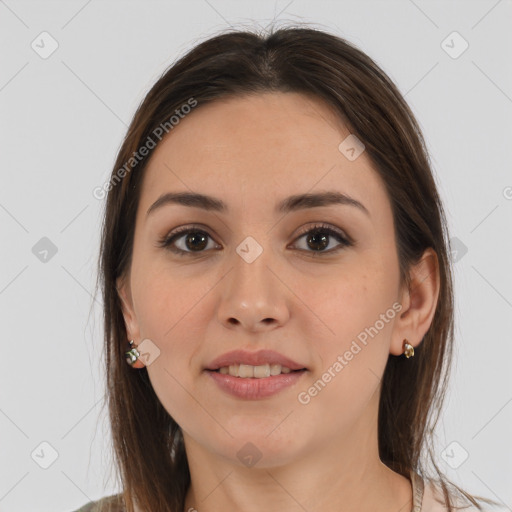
pixel 290 204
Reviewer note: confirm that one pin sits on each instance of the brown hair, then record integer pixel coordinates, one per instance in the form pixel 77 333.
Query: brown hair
pixel 153 468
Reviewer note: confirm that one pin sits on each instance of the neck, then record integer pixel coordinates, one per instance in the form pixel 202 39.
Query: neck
pixel 345 475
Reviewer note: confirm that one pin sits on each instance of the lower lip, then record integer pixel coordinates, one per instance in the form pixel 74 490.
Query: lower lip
pixel 255 389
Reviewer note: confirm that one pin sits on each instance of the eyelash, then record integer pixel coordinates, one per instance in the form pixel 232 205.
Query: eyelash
pixel 168 241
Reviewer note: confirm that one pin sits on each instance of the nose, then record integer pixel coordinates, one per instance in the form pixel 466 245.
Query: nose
pixel 253 297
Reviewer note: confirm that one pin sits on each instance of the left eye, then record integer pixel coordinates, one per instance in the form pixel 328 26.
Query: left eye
pixel 319 239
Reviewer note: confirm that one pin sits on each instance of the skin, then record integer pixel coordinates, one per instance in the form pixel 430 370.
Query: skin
pixel 252 152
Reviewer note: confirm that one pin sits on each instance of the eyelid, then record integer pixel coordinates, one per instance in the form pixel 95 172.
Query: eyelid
pixel 320 225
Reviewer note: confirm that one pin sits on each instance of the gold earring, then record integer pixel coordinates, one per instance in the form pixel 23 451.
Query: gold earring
pixel 408 350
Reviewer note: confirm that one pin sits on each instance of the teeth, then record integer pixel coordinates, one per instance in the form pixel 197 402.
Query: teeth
pixel 245 371
pixel 275 369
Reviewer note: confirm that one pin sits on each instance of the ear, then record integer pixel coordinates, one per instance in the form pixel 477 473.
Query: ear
pixel 419 302
pixel 130 319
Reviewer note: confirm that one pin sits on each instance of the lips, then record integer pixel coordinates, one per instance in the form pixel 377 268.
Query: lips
pixel 258 358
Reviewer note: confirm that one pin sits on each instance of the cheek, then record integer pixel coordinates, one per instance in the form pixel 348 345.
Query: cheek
pixel 352 360
pixel 169 309
pixel 167 300
pixel 354 301
pixel 357 310
pixel 166 317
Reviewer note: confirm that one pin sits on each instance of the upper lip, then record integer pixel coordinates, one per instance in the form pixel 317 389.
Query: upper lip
pixel 258 358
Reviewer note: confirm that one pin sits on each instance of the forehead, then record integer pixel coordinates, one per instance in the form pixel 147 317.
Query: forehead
pixel 254 147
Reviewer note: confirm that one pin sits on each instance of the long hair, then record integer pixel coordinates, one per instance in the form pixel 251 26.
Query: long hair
pixel 148 447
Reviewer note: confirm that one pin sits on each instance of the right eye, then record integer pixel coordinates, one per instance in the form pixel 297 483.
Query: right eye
pixel 187 240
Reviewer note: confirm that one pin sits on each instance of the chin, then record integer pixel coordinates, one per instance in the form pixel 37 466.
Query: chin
pixel 258 449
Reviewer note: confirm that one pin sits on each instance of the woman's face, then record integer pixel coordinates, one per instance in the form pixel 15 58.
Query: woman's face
pixel 252 278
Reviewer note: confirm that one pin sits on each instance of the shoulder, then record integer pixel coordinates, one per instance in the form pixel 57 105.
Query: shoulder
pixel 433 501
pixel 112 503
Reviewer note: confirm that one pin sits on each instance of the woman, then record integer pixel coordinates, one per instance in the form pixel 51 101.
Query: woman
pixel 275 270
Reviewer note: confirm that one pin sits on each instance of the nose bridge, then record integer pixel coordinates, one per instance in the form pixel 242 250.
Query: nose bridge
pixel 253 297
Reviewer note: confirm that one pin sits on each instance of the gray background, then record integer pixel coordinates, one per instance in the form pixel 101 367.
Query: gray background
pixel 62 121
